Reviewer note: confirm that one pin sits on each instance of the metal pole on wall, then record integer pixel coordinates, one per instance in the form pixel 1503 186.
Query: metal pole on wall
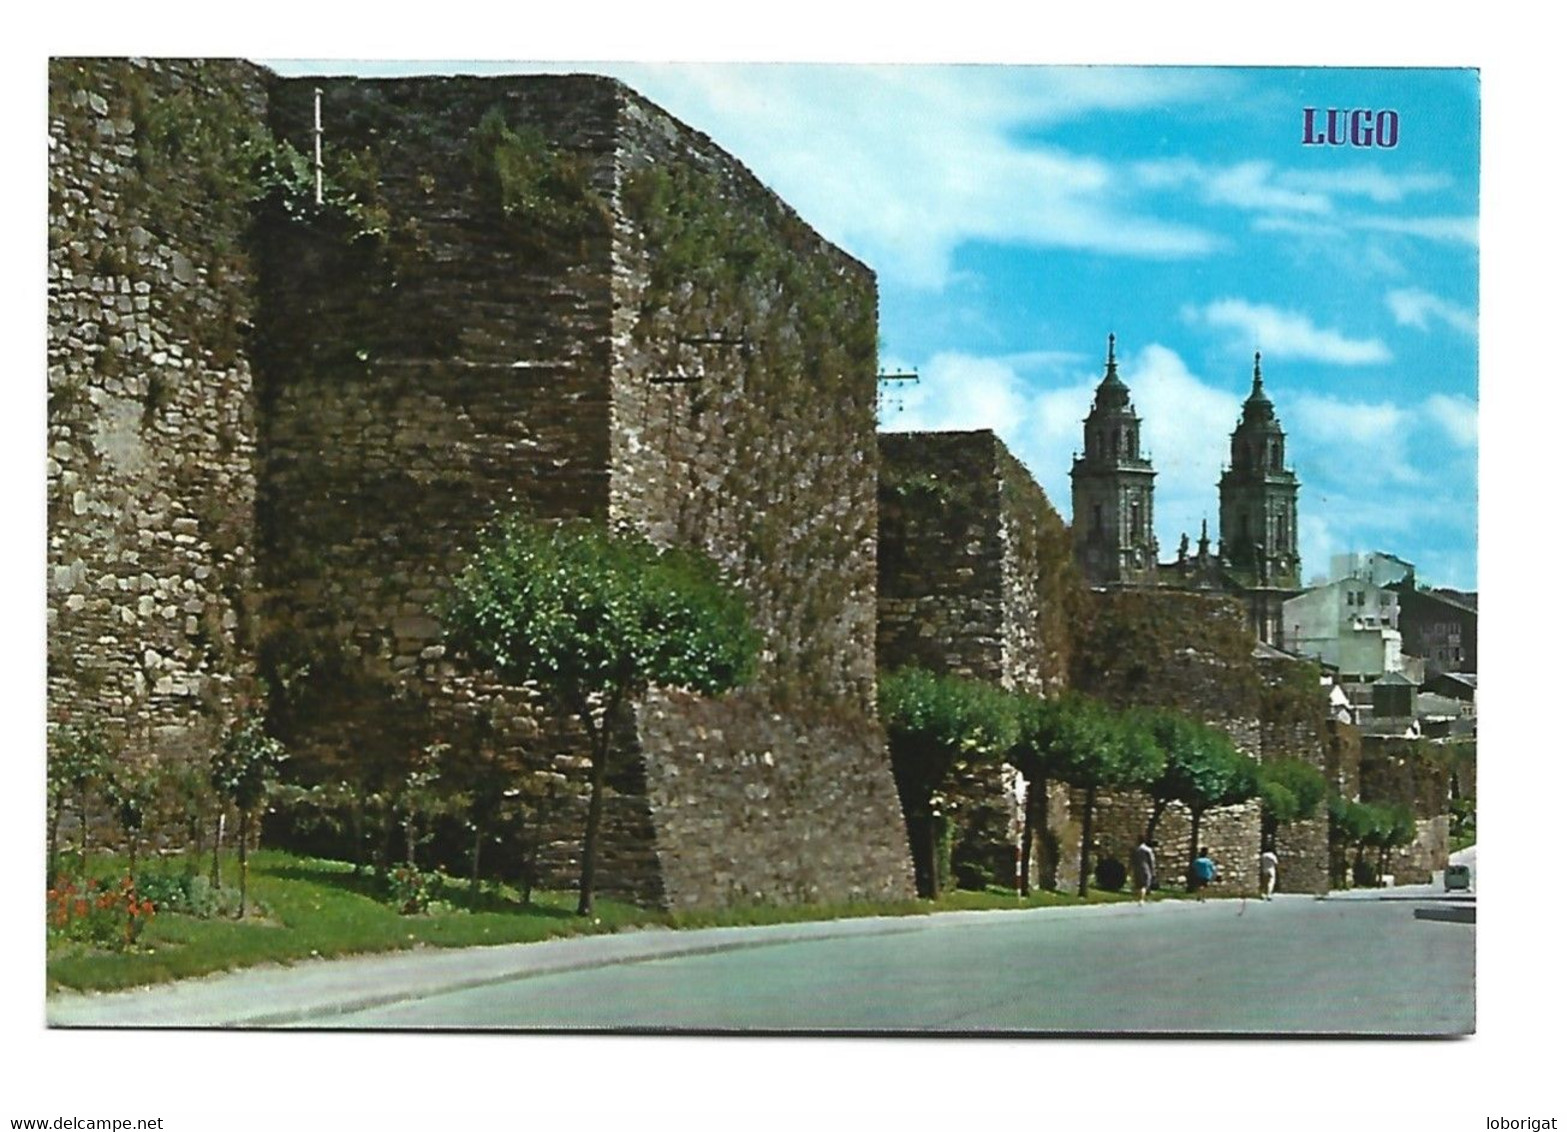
pixel 318 145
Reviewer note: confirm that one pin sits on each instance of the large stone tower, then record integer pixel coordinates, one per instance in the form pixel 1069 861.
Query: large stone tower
pixel 1258 537
pixel 1112 490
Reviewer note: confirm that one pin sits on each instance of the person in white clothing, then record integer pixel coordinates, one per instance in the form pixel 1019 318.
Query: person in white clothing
pixel 1270 873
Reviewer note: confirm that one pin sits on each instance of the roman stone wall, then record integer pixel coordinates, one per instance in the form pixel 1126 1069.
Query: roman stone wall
pixel 744 400
pixel 1233 834
pixel 471 361
pixel 941 570
pixel 744 389
pixel 1042 589
pixel 976 579
pixel 1191 652
pixel 1158 648
pixel 1404 772
pixel 738 793
pixel 417 383
pixel 1294 724
pixel 152 424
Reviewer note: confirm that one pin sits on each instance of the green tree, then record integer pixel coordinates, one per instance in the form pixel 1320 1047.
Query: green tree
pixel 1290 790
pixel 243 769
pixel 595 618
pixel 1370 825
pixel 1203 770
pixel 1394 827
pixel 79 755
pixel 1084 744
pixel 935 724
pixel 131 792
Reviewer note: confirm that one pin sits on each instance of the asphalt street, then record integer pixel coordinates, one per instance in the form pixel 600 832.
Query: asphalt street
pixel 1391 962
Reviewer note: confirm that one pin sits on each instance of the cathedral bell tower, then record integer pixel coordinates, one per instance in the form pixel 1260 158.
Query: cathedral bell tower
pixel 1258 537
pixel 1112 491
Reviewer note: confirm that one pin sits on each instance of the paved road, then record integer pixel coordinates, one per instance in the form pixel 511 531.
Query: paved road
pixel 1399 962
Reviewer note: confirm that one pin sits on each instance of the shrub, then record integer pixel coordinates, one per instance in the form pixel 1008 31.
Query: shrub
pixel 1110 874
pixel 187 894
pixel 410 890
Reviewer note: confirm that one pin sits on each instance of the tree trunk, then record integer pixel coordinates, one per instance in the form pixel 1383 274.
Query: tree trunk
pixel 478 841
pixel 217 847
pixel 1191 851
pixel 530 866
pixel 933 840
pixel 53 865
pixel 590 836
pixel 81 810
pixel 1089 797
pixel 383 855
pixel 244 865
pixel 1153 821
pixel 356 829
pixel 1027 849
pixel 198 837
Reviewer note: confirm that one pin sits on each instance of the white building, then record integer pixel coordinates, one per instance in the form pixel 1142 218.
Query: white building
pixel 1351 624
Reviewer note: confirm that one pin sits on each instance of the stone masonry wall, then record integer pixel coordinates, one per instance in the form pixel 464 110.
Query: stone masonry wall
pixel 1402 772
pixel 1191 652
pixel 739 792
pixel 1295 725
pixel 1233 835
pixel 467 364
pixel 414 388
pixel 941 583
pixel 152 428
pixel 744 389
pixel 977 580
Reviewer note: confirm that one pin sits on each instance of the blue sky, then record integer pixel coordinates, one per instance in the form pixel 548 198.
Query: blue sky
pixel 1015 215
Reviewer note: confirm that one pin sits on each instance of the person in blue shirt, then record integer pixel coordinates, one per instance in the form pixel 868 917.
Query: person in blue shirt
pixel 1204 872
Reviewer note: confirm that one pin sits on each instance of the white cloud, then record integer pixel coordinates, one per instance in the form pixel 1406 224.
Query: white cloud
pixel 1373 184
pixel 902 164
pixel 1452 229
pixel 960 391
pixel 1249 185
pixel 1261 186
pixel 1351 442
pixel 1457 417
pixel 1413 307
pixel 1285 334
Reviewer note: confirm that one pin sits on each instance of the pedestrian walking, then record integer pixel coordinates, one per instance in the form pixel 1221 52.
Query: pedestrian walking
pixel 1204 872
pixel 1270 872
pixel 1142 868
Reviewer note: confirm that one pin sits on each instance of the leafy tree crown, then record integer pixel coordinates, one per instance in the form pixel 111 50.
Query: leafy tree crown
pixel 584 611
pixel 247 763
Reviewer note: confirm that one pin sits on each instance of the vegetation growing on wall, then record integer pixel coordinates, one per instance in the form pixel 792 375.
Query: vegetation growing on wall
pixel 1293 697
pixel 1167 650
pixel 783 333
pixel 543 193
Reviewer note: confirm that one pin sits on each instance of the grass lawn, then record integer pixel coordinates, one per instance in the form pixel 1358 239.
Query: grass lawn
pixel 313 908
